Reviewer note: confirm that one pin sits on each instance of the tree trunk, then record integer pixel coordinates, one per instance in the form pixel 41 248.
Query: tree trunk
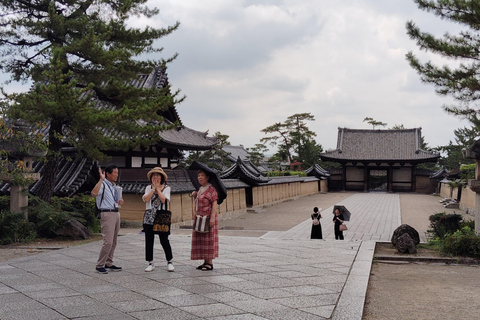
pixel 49 174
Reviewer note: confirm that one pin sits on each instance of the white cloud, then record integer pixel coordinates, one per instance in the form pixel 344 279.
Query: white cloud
pixel 246 64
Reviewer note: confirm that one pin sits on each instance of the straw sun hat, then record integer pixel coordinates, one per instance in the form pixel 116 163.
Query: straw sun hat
pixel 157 170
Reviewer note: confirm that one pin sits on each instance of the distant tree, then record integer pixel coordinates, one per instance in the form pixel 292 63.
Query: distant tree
pixel 462 81
pixel 257 153
pixel 374 122
pixel 215 158
pixel 80 54
pixel 275 162
pixel 293 139
pixel 308 153
pixel 453 157
pixel 398 127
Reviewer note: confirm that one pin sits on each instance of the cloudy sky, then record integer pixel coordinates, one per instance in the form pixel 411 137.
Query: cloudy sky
pixel 247 64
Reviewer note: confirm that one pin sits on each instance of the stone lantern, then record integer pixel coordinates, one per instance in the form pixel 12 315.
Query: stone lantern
pixel 19 193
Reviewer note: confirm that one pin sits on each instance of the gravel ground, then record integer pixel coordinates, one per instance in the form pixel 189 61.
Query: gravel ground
pixel 415 290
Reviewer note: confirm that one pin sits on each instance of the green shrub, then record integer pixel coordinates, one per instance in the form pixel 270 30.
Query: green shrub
pixel 468 223
pixel 14 228
pixel 464 242
pixel 82 208
pixel 48 217
pixel 286 173
pixel 443 224
pixel 4 203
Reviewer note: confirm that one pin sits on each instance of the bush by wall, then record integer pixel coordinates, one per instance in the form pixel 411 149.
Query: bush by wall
pixel 464 242
pixel 286 173
pixel 14 228
pixel 45 218
pixel 48 217
pixel 454 236
pixel 442 224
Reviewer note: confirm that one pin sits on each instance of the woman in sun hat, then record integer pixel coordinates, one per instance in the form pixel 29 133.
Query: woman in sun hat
pixel 156 197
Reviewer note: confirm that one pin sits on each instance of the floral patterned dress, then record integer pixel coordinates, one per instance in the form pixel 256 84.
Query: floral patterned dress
pixel 205 245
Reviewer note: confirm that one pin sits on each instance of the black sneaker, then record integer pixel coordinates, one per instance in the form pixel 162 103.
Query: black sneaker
pixel 102 270
pixel 113 268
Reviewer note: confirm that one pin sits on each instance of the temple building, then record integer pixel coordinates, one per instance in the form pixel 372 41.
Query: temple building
pixel 379 160
pixel 79 175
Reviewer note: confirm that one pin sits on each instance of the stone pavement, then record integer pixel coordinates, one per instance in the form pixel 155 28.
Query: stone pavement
pixel 279 275
pixel 374 217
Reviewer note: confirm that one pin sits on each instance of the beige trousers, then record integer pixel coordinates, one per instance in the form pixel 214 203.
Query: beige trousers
pixel 110 223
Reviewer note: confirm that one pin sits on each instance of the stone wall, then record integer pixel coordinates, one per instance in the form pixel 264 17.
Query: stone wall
pixel 467 201
pixel 182 205
pixel 467 198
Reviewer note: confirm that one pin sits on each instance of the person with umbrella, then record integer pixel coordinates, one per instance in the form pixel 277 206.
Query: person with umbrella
pixel 205 245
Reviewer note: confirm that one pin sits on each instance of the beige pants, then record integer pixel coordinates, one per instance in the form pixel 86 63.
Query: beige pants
pixel 110 223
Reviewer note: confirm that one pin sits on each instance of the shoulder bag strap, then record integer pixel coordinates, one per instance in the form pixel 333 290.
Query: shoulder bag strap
pixel 103 193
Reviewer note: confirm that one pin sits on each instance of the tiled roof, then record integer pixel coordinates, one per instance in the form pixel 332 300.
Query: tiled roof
pixel 423 172
pixel 440 174
pixel 186 138
pixel 289 179
pixel 317 171
pixel 80 175
pixel 71 177
pixel 245 171
pixel 379 145
pixel 235 152
pixel 180 137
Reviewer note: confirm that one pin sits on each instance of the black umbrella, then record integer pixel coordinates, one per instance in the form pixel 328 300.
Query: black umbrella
pixel 214 179
pixel 343 210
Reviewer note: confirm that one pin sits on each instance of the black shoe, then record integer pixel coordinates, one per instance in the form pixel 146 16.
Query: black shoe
pixel 102 270
pixel 113 268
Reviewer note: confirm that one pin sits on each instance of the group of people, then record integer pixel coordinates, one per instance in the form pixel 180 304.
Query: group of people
pixel 338 220
pixel 156 198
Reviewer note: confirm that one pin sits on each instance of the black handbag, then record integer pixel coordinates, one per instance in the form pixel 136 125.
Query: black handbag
pixel 162 220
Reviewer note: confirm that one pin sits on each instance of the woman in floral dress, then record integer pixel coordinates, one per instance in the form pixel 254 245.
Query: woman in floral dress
pixel 205 245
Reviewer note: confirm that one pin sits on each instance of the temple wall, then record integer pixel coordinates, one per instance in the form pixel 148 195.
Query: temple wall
pixel 402 174
pixel 424 185
pixel 467 198
pixel 467 201
pixel 182 206
pixel 355 174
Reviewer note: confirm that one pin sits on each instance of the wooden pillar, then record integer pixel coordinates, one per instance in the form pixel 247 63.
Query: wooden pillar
pixel 344 177
pixel 365 177
pixel 390 177
pixel 414 178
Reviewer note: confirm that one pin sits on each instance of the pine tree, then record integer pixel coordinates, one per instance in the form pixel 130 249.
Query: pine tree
pixel 293 136
pixel 80 54
pixel 216 157
pixel 460 82
pixel 257 153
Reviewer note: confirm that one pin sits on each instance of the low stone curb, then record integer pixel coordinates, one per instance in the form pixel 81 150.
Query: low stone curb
pixel 461 260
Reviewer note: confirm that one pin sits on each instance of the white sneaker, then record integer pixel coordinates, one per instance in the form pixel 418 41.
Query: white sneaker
pixel 150 267
pixel 170 267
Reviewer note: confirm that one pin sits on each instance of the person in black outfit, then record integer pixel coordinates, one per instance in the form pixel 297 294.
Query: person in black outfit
pixel 338 220
pixel 316 225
